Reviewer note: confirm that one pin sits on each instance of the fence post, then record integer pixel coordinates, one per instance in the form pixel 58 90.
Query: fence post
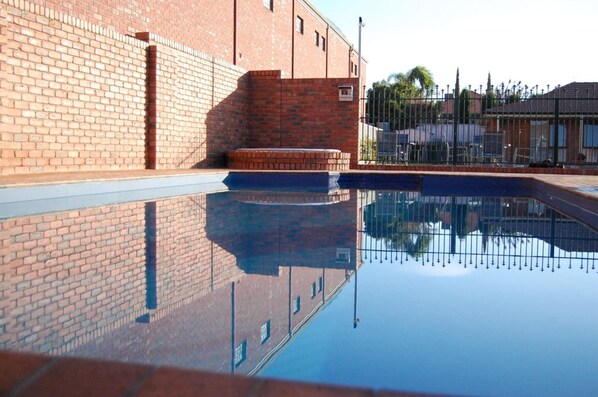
pixel 555 148
pixel 455 119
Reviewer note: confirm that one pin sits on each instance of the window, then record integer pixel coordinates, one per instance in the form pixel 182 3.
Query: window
pixel 269 4
pixel 343 255
pixel 313 290
pixel 240 353
pixel 355 67
pixel 297 305
pixel 265 332
pixel 323 44
pixel 317 38
pixel 299 24
pixel 320 284
pixel 562 136
pixel 590 136
pixel 351 68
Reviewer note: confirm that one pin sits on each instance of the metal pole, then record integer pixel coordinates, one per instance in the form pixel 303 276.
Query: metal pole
pixel 455 120
pixel 361 25
pixel 555 148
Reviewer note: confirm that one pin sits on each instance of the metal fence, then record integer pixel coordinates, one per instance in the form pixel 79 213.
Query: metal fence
pixel 502 126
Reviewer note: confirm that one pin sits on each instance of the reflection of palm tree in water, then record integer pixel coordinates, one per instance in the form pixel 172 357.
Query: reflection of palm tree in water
pixel 407 229
pixel 412 237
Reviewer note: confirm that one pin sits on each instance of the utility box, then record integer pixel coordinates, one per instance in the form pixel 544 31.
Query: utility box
pixel 345 93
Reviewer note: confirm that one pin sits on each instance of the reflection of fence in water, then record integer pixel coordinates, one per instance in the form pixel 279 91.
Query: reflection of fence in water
pixel 518 233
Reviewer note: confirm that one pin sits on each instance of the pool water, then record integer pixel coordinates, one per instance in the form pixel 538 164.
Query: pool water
pixel 373 288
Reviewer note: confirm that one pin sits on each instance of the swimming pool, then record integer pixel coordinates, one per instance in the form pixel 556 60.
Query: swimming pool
pixel 357 285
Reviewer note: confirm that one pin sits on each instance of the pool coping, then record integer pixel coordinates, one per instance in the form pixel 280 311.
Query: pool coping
pixel 573 194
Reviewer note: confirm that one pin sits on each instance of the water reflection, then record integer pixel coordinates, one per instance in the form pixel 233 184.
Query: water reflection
pixel 219 282
pixel 489 232
pixel 225 281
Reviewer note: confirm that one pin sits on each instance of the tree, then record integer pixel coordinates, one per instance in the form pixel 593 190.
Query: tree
pixel 504 94
pixel 401 100
pixel 464 105
pixel 416 83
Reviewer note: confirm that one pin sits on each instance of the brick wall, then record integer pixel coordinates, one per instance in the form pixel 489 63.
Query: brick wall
pixel 198 106
pixel 338 57
pixel 265 37
pixel 310 60
pixel 302 113
pixel 201 24
pixel 77 96
pixel 72 98
pixel 261 41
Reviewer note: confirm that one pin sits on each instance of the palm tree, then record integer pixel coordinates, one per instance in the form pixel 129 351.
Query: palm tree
pixel 401 99
pixel 416 83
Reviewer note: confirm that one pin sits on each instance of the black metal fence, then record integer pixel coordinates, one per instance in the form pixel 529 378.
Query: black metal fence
pixel 502 126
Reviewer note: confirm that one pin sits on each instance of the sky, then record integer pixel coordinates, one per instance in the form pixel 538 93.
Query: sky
pixel 537 42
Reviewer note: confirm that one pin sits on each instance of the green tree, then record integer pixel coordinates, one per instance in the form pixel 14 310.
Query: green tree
pixel 464 105
pixel 401 100
pixel 416 83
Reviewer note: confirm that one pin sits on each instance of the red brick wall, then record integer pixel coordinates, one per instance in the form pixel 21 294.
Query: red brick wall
pixel 264 37
pixel 77 96
pixel 200 107
pixel 72 99
pixel 338 57
pixel 201 24
pixel 302 113
pixel 310 61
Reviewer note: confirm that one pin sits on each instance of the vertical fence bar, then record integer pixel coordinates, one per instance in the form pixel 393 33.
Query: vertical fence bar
pixel 456 119
pixel 555 148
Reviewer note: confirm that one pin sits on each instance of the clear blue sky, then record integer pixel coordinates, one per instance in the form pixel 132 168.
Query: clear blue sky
pixel 534 41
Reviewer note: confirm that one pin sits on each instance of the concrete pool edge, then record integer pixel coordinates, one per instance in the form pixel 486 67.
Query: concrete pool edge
pixel 575 195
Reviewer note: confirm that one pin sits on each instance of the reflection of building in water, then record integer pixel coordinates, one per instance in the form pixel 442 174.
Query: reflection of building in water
pixel 489 231
pixel 174 282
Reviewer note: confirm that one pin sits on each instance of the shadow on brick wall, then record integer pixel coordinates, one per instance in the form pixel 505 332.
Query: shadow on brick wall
pixel 226 122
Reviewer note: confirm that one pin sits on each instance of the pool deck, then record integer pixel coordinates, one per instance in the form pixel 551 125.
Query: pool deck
pixel 23 374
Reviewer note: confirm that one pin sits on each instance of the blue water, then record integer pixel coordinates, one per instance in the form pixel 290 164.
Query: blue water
pixel 380 289
pixel 478 332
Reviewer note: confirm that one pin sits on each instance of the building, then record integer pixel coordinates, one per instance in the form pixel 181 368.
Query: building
pixel 120 85
pixel 528 126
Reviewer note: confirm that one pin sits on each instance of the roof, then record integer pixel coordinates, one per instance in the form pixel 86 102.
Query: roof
pixel 574 99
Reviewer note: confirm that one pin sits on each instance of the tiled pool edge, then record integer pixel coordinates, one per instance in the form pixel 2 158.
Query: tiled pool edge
pixel 32 374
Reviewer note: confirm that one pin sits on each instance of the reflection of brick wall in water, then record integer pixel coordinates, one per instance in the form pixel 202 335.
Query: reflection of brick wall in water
pixel 195 334
pixel 276 235
pixel 259 299
pixel 205 332
pixel 187 263
pixel 77 281
pixel 68 276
